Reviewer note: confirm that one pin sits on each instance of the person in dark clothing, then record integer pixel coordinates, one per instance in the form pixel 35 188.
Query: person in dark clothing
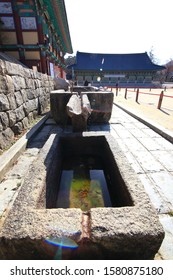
pixel 86 83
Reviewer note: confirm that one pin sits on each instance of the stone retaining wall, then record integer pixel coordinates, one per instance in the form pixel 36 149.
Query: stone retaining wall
pixel 23 95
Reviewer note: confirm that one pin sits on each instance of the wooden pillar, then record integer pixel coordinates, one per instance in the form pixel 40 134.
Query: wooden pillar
pixel 17 23
pixel 18 29
pixel 43 65
pixel 137 95
pixel 116 90
pixel 160 100
pixel 41 39
pixel 125 96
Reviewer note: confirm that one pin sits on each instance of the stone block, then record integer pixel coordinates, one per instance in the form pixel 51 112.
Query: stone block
pixel 30 106
pixel 39 83
pixel 38 75
pixel 12 117
pixel 58 102
pixel 36 84
pixel 12 101
pixel 6 137
pixel 60 83
pixel 4 120
pixel 29 83
pixel 31 93
pixel 19 82
pixel 101 105
pixel 37 92
pixel 2 67
pixel 18 97
pixel 20 113
pixel 4 103
pixel 42 104
pixel 18 128
pixel 30 117
pixel 10 84
pixel 126 233
pixel 2 142
pixel 25 122
pixel 34 74
pixel 46 84
pixel 165 157
pixel 3 84
pixel 42 91
pixel 24 94
pixel 16 83
pixel 35 113
pixel 166 250
pixel 14 69
pixel 27 72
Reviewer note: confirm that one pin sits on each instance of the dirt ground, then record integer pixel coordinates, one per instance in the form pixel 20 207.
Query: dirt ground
pixel 147 104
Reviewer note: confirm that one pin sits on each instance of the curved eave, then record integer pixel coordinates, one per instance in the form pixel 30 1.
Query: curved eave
pixel 155 69
pixel 58 17
pixel 133 62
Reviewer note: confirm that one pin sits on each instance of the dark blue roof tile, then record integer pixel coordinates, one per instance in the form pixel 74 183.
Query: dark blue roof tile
pixel 116 62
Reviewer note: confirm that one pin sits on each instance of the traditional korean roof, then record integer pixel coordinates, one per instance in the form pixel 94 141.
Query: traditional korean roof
pixel 56 12
pixel 115 62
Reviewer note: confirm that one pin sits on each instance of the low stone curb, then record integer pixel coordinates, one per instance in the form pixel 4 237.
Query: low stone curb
pixel 167 134
pixel 8 158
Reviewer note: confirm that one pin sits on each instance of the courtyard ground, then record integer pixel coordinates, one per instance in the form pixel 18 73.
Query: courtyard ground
pixel 147 104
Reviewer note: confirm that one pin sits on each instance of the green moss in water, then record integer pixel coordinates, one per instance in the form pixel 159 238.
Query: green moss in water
pixel 83 186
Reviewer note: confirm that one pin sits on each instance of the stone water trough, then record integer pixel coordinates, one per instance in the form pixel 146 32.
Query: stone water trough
pixel 128 228
pixel 80 104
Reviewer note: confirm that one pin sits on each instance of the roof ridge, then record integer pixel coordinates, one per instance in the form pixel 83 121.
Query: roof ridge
pixel 94 53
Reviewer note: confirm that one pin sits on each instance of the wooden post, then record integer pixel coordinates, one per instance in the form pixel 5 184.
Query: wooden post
pixel 137 95
pixel 160 100
pixel 125 96
pixel 116 91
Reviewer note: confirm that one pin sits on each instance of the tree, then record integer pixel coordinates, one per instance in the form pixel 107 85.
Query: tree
pixel 169 71
pixel 70 60
pixel 152 55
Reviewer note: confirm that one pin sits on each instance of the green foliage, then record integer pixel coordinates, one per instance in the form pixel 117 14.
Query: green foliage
pixel 70 60
pixel 152 55
pixel 170 213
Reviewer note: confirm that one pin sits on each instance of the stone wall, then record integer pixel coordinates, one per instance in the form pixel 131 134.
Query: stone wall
pixel 24 94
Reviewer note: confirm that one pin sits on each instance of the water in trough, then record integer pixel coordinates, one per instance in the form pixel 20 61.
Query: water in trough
pixel 83 184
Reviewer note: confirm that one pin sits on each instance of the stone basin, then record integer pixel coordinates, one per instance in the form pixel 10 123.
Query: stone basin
pixel 101 105
pixel 129 229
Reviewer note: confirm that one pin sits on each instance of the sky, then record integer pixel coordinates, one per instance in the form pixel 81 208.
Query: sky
pixel 122 26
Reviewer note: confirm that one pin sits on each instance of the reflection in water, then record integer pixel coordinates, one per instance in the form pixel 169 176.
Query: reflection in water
pixel 83 184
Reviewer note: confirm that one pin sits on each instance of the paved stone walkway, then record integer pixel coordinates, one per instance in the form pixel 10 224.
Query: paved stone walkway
pixel 13 179
pixel 150 155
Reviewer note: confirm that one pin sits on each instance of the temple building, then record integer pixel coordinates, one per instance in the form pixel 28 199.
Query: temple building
pixel 36 32
pixel 112 69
